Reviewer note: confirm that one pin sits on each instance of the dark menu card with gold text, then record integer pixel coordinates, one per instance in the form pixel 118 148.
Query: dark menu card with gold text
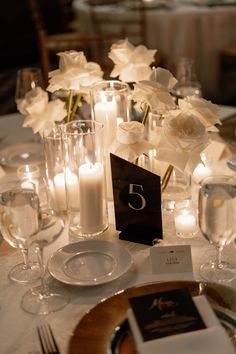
pixel 166 313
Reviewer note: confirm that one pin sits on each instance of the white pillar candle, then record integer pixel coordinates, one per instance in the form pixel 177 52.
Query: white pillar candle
pixel 60 189
pixel 72 188
pixel 91 197
pixel 106 113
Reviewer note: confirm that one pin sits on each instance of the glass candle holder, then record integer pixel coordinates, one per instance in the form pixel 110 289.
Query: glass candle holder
pixel 85 177
pixel 110 105
pixel 186 220
pixel 29 173
pixel 178 190
pixel 55 169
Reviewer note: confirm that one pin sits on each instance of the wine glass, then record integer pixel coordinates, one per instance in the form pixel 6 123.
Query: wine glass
pixel 188 83
pixel 217 221
pixel 27 79
pixel 18 205
pixel 42 300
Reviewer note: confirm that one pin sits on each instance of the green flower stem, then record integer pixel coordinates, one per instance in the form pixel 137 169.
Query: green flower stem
pixel 146 111
pixel 70 98
pixel 77 101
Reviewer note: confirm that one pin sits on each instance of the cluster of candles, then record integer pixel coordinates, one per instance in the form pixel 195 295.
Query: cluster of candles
pixel 84 192
pixel 83 189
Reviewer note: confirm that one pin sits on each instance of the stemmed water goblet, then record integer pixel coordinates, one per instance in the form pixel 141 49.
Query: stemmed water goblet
pixel 41 299
pixel 217 221
pixel 27 79
pixel 188 83
pixel 18 222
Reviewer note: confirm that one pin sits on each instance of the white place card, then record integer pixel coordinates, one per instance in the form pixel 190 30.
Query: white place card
pixel 214 151
pixel 171 259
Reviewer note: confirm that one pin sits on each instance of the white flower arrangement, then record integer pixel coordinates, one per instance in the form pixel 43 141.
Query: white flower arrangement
pixel 76 75
pixel 184 132
pixel 131 64
pixel 155 92
pixel 40 114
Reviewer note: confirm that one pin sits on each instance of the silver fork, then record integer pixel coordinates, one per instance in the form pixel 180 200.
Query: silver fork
pixel 47 340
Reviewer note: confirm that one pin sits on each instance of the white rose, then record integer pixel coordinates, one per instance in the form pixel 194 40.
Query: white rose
pixel 130 143
pixel 206 111
pixel 71 58
pixel 153 94
pixel 43 122
pixel 74 73
pixel 183 138
pixel 184 131
pixel 130 132
pixel 163 77
pixel 34 102
pixel 132 63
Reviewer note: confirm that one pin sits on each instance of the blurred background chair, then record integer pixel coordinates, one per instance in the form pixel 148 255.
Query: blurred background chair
pixel 53 39
pixel 228 74
pixel 134 26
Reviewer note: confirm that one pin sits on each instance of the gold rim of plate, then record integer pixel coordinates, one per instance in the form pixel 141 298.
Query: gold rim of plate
pixel 94 331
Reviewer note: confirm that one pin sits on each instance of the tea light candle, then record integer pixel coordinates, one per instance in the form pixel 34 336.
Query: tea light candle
pixel 60 189
pixel 200 172
pixel 91 197
pixel 185 223
pixel 29 173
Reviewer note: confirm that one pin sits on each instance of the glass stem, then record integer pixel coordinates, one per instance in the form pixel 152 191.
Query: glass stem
pixel 219 256
pixel 39 252
pixel 25 254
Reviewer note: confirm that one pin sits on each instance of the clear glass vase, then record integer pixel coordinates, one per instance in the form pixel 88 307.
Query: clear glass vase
pixel 110 105
pixel 85 178
pixel 55 169
pixel 177 189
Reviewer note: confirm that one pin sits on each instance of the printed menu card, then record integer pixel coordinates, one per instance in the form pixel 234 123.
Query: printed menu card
pixel 174 322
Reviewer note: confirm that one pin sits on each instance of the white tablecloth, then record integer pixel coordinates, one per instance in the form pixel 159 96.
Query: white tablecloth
pixel 195 31
pixel 18 329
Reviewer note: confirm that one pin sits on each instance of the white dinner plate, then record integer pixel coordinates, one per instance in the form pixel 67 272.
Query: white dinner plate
pixel 90 262
pixel 16 155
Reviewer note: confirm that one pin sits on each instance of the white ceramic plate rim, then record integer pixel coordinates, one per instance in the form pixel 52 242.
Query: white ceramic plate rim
pixel 120 254
pixel 17 149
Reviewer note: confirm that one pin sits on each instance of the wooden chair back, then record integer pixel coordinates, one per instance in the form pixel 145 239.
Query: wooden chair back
pixel 94 47
pixel 133 23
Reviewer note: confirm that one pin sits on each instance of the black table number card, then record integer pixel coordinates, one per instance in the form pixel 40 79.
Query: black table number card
pixel 166 313
pixel 137 202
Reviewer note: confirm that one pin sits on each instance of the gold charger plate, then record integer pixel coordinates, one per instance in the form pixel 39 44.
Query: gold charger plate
pixel 94 332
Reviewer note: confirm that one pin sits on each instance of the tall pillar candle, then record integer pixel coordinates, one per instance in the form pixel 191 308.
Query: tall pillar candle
pixel 106 113
pixel 83 144
pixel 111 104
pixel 91 197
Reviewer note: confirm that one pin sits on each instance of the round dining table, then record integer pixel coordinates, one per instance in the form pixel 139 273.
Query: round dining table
pixel 18 333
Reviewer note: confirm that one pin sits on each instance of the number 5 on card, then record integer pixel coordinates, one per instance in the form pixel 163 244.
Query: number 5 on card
pixel 137 201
